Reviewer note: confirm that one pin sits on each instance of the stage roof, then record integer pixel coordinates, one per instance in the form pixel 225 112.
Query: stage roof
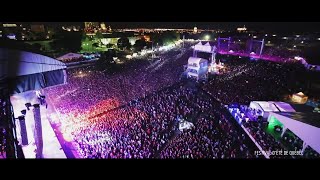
pixel 24 71
pixel 15 63
pixel 69 56
pixel 310 118
pixel 272 106
pixel 305 125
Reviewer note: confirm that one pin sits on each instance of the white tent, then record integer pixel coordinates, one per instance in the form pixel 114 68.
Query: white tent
pixel 69 56
pixel 203 48
pixel 305 125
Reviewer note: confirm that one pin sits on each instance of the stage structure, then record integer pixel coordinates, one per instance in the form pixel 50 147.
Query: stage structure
pixel 207 48
pixel 23 72
pixel 38 131
pixel 224 39
pixel 26 71
pixel 261 42
pixel 304 125
pixel 23 130
pixel 197 68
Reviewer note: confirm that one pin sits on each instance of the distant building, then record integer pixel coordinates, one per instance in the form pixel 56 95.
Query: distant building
pixel 242 29
pixel 103 26
pixel 37 28
pixel 9 25
pixel 91 25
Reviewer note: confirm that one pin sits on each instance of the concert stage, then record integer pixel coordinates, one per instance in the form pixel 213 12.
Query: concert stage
pixel 51 145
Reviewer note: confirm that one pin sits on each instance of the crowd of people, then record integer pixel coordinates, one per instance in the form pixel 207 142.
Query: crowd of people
pixel 213 137
pixel 2 142
pixel 143 127
pixel 135 80
pixel 273 53
pixel 2 129
pixel 267 142
pixel 137 130
pixel 133 113
pixel 247 80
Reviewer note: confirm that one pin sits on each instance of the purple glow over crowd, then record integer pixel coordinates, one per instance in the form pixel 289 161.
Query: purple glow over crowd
pixel 163 98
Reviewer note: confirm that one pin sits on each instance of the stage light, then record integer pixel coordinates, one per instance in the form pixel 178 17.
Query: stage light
pixel 207 37
pixel 28 105
pixel 24 112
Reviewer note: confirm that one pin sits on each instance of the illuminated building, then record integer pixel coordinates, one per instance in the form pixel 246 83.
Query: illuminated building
pixel 242 29
pixel 38 28
pixel 8 25
pixel 103 26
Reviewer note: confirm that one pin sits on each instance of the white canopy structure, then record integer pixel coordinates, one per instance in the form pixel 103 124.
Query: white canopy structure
pixel 30 71
pixel 69 56
pixel 270 106
pixel 197 67
pixel 305 125
pixel 205 48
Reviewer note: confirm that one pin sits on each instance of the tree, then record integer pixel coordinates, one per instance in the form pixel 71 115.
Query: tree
pixel 104 61
pixel 99 35
pixel 95 45
pixel 69 41
pixel 157 39
pixel 169 37
pixel 140 44
pixel 123 42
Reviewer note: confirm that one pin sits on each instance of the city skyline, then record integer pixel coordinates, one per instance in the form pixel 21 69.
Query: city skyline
pixel 261 26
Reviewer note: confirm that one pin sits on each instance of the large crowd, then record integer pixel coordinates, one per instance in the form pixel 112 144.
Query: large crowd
pixel 133 113
pixel 2 128
pixel 144 127
pixel 246 81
